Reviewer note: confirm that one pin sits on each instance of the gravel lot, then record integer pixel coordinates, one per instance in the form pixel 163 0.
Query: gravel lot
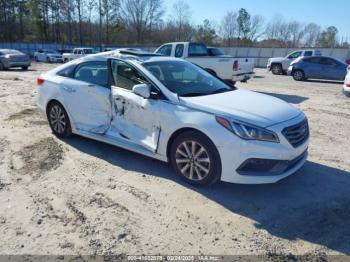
pixel 78 196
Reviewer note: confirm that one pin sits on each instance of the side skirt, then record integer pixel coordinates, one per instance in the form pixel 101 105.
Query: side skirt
pixel 120 142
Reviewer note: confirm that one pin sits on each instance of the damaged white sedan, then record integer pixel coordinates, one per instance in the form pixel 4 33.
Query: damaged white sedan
pixel 174 111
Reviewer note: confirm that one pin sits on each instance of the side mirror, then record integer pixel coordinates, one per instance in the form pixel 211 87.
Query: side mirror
pixel 143 90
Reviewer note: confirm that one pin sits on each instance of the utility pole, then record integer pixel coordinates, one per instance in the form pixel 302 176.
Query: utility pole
pixel 100 26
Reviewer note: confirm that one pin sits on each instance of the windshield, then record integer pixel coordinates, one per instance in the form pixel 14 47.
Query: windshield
pixel 88 51
pixel 186 79
pixel 215 52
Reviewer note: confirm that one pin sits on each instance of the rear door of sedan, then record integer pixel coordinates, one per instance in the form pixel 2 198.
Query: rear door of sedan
pixel 87 97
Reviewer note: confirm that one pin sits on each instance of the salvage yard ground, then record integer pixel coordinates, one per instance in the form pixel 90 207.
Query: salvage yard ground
pixel 79 196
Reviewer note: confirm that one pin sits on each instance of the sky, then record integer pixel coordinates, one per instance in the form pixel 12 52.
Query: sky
pixel 322 12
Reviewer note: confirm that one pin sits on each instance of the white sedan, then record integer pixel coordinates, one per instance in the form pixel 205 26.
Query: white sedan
pixel 346 87
pixel 48 55
pixel 171 110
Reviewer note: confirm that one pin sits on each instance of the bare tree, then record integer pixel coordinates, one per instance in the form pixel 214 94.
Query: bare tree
pixel 312 33
pixel 256 28
pixel 141 15
pixel 229 27
pixel 180 21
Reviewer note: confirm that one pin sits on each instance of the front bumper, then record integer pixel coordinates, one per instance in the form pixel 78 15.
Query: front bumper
pixel 243 76
pixel 285 158
pixel 290 70
pixel 10 64
pixel 56 59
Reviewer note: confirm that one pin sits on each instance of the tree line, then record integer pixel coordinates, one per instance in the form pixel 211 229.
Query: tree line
pixel 145 22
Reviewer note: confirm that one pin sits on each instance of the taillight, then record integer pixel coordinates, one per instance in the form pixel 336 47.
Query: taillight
pixel 348 62
pixel 235 66
pixel 40 81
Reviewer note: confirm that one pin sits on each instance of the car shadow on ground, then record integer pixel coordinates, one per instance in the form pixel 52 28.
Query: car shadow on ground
pixel 325 81
pixel 20 70
pixel 313 205
pixel 293 99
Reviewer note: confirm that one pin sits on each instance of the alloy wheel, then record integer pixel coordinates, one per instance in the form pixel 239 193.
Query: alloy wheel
pixel 298 75
pixel 193 161
pixel 58 119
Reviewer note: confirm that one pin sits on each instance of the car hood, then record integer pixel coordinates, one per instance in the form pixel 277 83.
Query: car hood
pixel 243 105
pixel 277 59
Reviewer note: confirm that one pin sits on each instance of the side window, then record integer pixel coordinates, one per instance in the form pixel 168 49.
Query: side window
pixel 179 50
pixel 294 55
pixel 125 76
pixel 312 60
pixel 308 53
pixel 67 72
pixel 92 72
pixel 165 50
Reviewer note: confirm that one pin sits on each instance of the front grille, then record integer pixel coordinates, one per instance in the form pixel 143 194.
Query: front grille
pixel 297 134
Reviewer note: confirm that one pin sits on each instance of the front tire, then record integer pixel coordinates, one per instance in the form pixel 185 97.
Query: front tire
pixel 2 66
pixel 25 68
pixel 195 159
pixel 276 69
pixel 298 75
pixel 59 120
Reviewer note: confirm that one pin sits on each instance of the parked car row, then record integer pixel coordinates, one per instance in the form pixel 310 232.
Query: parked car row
pixel 310 64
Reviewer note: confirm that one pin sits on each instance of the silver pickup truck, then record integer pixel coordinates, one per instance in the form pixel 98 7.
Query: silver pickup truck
pixel 226 67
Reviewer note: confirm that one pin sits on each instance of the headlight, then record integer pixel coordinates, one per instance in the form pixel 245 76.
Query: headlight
pixel 247 131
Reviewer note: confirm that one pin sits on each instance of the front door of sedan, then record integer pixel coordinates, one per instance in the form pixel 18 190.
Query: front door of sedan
pixel 87 97
pixel 135 118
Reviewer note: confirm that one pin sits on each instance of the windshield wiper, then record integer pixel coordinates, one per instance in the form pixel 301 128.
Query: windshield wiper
pixel 194 94
pixel 221 90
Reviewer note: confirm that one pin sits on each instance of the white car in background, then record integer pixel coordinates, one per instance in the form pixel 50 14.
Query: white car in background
pixel 171 110
pixel 346 87
pixel 48 55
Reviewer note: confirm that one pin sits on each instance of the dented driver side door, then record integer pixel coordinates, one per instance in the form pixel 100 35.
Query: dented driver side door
pixel 135 119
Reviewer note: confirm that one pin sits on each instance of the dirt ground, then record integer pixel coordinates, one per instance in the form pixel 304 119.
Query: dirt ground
pixel 78 196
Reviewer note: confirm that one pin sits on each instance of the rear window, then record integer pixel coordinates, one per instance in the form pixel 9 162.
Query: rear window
pixel 197 50
pixel 308 53
pixel 11 52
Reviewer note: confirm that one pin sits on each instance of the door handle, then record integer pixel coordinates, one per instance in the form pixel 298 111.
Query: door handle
pixel 69 89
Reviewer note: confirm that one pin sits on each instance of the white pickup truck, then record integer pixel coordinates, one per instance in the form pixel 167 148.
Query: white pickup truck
pixel 226 67
pixel 280 65
pixel 77 53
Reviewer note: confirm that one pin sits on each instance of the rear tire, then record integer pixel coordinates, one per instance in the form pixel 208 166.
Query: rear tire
pixel 2 67
pixel 59 120
pixel 25 68
pixel 276 69
pixel 195 158
pixel 298 75
pixel 36 59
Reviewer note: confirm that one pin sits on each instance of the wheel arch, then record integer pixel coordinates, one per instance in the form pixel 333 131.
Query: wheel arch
pixel 178 132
